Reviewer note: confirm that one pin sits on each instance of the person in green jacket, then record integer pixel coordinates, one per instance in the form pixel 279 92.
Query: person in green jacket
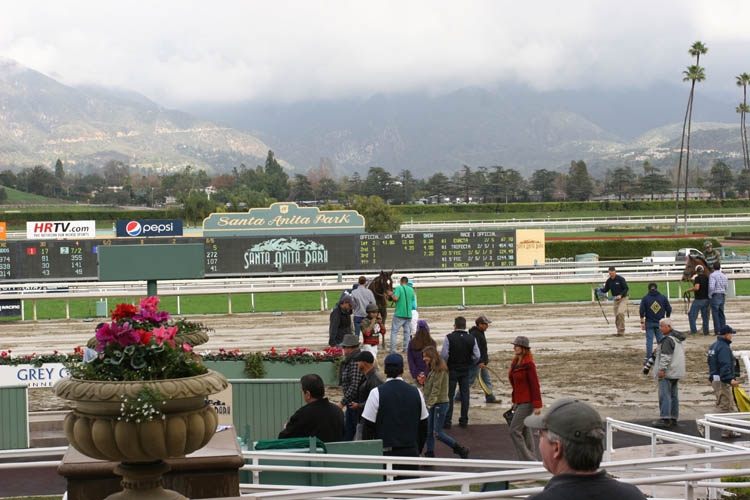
pixel 436 399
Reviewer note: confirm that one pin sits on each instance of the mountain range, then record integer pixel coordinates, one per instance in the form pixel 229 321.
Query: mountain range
pixel 42 120
pixel 510 125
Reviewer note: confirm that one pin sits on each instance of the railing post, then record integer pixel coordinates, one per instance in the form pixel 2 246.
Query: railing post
pixel 463 294
pixel 505 295
pixel 67 308
pixel 689 490
pixel 668 296
pixel 532 294
pixel 252 301
pixel 229 303
pixel 23 310
pixel 33 304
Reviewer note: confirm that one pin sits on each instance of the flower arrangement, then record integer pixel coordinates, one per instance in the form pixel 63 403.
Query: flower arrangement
pixel 7 358
pixel 138 344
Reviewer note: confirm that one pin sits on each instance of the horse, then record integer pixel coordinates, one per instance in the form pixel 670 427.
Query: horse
pixel 380 286
pixel 690 265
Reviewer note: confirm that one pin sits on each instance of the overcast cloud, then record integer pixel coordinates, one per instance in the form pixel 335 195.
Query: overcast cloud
pixel 178 52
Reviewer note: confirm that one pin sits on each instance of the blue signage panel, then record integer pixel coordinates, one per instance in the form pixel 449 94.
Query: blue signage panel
pixel 149 227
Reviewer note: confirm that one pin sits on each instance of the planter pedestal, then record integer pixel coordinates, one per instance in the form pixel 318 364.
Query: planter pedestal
pixel 143 482
pixel 211 472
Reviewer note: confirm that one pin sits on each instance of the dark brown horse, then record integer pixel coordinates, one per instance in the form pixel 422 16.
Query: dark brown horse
pixel 380 287
pixel 690 265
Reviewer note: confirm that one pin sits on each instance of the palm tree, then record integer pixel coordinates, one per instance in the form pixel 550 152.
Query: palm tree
pixel 742 81
pixel 694 73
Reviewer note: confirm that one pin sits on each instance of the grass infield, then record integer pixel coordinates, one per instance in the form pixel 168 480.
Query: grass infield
pixel 310 301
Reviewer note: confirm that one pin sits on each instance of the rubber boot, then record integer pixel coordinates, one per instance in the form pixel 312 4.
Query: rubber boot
pixel 461 451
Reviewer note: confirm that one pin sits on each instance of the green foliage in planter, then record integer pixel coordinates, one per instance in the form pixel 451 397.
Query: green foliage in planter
pixel 254 365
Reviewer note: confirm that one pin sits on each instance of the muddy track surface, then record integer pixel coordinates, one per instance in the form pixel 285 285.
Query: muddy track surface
pixel 575 351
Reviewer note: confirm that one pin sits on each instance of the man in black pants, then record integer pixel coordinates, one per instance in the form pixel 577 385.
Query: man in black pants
pixel 461 352
pixel 395 412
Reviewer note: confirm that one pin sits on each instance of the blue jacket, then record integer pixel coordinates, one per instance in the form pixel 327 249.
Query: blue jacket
pixel 655 306
pixel 721 360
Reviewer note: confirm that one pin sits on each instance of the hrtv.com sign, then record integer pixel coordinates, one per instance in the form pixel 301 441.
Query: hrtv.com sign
pixel 151 227
pixel 60 229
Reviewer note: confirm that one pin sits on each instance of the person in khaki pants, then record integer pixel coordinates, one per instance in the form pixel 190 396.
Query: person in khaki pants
pixel 619 288
pixel 721 374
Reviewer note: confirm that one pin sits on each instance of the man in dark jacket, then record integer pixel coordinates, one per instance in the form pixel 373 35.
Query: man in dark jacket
pixel 478 332
pixel 619 288
pixel 366 362
pixel 654 307
pixel 721 374
pixel 461 352
pixel 350 378
pixel 340 321
pixel 319 417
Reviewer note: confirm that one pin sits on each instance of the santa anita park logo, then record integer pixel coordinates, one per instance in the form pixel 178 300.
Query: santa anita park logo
pixel 282 251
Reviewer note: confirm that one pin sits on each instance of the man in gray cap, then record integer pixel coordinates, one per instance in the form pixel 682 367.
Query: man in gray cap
pixel 571 446
pixel 396 413
pixel 350 377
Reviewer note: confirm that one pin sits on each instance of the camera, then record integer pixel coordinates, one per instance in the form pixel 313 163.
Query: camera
pixel 649 364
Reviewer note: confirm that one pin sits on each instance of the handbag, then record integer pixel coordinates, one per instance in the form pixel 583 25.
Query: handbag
pixel 508 415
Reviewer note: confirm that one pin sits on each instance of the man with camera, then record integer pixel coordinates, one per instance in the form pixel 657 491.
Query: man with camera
pixel 669 359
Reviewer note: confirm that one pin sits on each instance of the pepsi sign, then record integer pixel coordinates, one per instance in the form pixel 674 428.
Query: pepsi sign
pixel 147 228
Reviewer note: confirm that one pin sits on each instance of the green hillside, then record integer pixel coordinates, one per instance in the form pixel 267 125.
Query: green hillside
pixel 16 197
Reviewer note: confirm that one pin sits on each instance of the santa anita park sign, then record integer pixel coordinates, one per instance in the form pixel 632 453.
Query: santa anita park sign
pixel 284 219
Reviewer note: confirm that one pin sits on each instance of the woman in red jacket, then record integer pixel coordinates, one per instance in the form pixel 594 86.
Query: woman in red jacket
pixel 527 397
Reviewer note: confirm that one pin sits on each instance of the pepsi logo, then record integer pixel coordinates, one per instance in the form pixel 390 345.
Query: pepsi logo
pixel 133 228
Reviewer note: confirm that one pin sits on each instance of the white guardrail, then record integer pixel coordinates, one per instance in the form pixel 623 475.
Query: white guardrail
pixel 689 475
pixel 577 223
pixel 555 273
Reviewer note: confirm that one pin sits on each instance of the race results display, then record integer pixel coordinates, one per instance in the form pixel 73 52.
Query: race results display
pixel 47 260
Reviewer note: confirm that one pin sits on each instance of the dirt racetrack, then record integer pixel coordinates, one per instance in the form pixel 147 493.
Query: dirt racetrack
pixel 575 351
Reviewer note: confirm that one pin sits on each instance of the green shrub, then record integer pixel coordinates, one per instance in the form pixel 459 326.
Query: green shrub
pixel 620 249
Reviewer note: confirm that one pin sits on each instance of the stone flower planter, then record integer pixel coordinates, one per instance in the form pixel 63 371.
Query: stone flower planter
pixel 93 427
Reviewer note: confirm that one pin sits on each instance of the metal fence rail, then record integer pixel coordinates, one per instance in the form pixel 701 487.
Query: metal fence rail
pixel 561 273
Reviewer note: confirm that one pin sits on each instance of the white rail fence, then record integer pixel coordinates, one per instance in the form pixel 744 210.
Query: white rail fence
pixel 578 223
pixel 592 274
pixel 689 476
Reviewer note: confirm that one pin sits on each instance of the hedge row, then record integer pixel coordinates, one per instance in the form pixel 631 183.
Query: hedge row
pixel 568 206
pixel 619 249
pixel 98 215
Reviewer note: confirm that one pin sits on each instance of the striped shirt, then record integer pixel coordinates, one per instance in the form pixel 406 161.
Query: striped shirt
pixel 717 283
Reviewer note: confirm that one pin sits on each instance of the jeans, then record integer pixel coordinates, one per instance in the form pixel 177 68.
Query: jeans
pixel 652 330
pixel 461 378
pixel 396 323
pixel 358 324
pixel 717 311
pixel 351 418
pixel 669 402
pixel 486 378
pixel 435 423
pixel 702 306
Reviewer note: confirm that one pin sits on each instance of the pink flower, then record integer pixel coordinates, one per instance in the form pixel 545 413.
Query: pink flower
pixel 122 334
pixel 187 348
pixel 167 334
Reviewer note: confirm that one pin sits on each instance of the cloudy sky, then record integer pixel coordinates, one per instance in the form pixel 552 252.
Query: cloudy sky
pixel 178 52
